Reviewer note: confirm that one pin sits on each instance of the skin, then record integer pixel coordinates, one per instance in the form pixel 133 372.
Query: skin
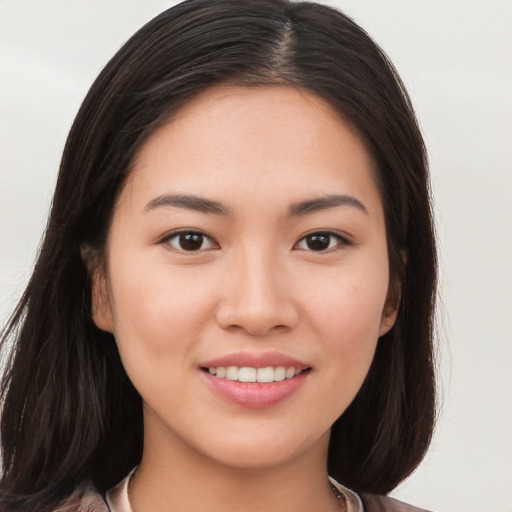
pixel 254 285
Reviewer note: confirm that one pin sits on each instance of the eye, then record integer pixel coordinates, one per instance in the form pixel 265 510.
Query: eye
pixel 321 241
pixel 190 241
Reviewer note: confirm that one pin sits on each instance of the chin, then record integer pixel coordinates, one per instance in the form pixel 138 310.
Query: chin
pixel 258 453
pixel 254 459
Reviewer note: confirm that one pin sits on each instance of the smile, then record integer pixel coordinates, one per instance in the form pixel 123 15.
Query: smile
pixel 255 380
pixel 250 374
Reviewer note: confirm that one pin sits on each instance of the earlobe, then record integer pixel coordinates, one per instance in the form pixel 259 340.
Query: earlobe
pixel 101 309
pixel 390 312
pixel 388 319
pixel 100 303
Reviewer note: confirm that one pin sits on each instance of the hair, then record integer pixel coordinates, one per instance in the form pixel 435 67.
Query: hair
pixel 70 413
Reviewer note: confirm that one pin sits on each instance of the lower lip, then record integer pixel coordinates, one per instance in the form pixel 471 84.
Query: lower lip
pixel 255 395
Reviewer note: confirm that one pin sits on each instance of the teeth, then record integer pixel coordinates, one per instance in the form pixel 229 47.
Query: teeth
pixel 248 374
pixel 289 373
pixel 232 373
pixel 265 374
pixel 280 373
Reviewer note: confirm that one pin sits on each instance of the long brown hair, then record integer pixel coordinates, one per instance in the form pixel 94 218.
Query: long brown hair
pixel 69 411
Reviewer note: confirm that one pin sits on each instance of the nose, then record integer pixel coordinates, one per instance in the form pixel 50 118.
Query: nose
pixel 256 297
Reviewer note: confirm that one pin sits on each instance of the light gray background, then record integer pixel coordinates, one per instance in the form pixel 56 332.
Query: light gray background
pixel 455 57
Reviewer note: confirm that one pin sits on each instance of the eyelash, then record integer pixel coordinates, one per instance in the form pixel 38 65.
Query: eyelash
pixel 203 237
pixel 341 240
pixel 175 235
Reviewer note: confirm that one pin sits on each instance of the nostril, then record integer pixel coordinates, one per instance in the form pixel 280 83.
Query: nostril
pixel 256 317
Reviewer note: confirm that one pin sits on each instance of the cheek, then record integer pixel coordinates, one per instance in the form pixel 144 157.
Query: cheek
pixel 346 313
pixel 156 310
pixel 350 304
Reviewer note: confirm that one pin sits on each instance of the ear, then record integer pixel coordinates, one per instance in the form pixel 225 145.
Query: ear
pixel 390 311
pixel 100 302
pixel 389 315
pixel 101 309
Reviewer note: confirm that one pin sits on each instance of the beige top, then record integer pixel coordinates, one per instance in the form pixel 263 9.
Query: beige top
pixel 117 497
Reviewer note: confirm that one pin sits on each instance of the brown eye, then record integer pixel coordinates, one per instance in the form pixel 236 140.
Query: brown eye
pixel 318 242
pixel 321 241
pixel 190 241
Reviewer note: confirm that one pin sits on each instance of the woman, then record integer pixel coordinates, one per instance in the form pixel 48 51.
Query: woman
pixel 234 296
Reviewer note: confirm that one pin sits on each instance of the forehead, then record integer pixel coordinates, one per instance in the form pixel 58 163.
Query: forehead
pixel 236 141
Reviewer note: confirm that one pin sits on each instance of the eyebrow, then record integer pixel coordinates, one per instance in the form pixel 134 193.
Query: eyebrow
pixel 189 202
pixel 200 204
pixel 324 203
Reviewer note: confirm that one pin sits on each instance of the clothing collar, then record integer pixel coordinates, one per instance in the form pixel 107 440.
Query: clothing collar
pixel 117 497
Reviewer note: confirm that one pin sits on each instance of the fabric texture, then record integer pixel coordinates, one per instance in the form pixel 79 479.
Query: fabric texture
pixel 87 499
pixel 376 503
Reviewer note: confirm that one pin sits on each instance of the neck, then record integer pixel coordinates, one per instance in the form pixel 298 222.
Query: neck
pixel 176 477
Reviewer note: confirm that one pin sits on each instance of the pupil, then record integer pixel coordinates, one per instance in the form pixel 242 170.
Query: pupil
pixel 191 241
pixel 318 242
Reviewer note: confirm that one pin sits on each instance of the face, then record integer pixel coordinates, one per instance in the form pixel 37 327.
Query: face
pixel 246 275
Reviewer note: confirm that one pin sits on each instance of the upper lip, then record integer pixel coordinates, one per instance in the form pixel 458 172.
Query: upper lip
pixel 255 360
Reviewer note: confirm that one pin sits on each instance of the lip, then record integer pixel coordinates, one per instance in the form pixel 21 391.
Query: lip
pixel 256 360
pixel 255 395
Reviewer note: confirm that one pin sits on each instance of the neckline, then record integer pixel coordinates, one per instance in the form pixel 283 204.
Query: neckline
pixel 118 500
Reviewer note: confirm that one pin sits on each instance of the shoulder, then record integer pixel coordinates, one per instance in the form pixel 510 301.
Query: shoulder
pixel 92 501
pixel 377 503
pixel 366 502
pixel 84 499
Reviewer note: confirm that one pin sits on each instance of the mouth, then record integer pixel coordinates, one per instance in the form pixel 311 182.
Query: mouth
pixel 255 381
pixel 251 374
